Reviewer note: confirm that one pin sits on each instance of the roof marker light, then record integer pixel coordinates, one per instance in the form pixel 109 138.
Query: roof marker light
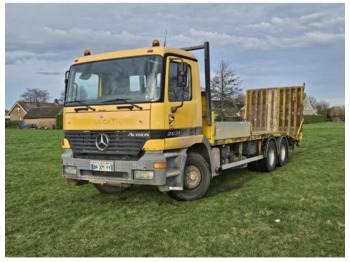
pixel 87 52
pixel 155 42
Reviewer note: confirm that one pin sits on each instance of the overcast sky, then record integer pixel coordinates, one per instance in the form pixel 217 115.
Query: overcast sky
pixel 268 45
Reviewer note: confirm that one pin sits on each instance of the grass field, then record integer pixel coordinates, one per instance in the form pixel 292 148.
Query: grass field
pixel 44 216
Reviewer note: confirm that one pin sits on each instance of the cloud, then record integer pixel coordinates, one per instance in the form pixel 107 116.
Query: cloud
pixel 262 26
pixel 15 57
pixel 292 24
pixel 49 73
pixel 318 37
pixel 269 42
pixel 90 35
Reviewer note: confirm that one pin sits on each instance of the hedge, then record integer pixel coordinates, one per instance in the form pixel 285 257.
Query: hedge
pixel 309 119
pixel 59 122
pixel 12 124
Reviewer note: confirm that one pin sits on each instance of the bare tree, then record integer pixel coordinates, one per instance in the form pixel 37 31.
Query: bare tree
pixel 322 107
pixel 35 95
pixel 331 113
pixel 240 99
pixel 225 86
pixel 61 99
pixel 337 113
pixel 342 112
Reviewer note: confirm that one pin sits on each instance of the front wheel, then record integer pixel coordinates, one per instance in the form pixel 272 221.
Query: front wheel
pixel 197 179
pixel 109 189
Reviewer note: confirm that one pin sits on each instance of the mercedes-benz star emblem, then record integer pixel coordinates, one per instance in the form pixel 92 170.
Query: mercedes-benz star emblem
pixel 102 142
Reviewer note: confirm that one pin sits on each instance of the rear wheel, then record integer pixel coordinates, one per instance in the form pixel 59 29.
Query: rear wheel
pixel 197 179
pixel 109 189
pixel 268 164
pixel 283 154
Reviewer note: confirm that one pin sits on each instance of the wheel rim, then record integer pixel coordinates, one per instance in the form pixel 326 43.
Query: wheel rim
pixel 283 153
pixel 272 157
pixel 192 177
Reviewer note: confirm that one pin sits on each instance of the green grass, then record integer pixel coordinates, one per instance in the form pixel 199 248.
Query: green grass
pixel 47 217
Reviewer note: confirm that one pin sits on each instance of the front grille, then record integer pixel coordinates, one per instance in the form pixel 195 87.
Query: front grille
pixel 120 142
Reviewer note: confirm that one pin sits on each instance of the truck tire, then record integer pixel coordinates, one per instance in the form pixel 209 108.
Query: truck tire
pixel 283 153
pixel 268 164
pixel 109 189
pixel 197 179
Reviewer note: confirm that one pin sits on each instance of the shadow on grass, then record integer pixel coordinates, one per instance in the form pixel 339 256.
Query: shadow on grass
pixel 230 180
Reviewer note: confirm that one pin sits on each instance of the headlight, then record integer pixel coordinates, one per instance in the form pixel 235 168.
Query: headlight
pixel 70 170
pixel 142 174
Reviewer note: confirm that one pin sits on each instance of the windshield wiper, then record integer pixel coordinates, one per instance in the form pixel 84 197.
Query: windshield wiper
pixel 125 100
pixel 83 104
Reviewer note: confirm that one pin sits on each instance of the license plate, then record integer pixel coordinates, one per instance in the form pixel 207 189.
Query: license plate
pixel 102 166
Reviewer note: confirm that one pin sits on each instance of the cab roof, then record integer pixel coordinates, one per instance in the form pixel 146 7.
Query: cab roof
pixel 155 50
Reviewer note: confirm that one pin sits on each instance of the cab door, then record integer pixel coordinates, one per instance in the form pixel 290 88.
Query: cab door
pixel 183 121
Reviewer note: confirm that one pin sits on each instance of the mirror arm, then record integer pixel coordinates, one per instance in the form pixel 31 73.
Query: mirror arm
pixel 174 108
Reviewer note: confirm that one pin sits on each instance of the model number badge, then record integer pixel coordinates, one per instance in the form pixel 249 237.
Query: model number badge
pixel 173 133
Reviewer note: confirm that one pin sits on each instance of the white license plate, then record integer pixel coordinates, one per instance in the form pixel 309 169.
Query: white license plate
pixel 102 166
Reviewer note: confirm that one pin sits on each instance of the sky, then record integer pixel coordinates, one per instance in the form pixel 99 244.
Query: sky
pixel 267 45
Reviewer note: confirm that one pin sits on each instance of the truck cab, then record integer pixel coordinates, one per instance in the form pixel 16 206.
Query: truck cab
pixel 130 116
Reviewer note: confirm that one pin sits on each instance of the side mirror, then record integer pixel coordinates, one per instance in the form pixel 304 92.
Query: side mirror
pixel 182 74
pixel 66 79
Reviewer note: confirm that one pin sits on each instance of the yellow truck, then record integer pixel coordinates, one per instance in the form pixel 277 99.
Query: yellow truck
pixel 140 117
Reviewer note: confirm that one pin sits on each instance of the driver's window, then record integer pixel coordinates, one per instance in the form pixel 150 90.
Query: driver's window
pixel 175 92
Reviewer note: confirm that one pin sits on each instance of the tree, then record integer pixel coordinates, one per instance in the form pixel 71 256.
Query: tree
pixel 336 113
pixel 240 99
pixel 331 113
pixel 61 99
pixel 225 86
pixel 35 95
pixel 322 107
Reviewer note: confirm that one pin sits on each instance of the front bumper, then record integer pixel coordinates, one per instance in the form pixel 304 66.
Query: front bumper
pixel 123 170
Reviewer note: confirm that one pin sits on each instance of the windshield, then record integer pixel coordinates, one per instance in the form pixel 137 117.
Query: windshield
pixel 126 80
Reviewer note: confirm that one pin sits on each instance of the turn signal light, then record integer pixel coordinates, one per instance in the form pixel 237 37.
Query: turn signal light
pixel 159 165
pixel 155 42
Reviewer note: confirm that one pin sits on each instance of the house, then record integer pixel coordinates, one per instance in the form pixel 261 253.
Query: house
pixel 241 113
pixel 20 109
pixel 43 117
pixel 7 117
pixel 308 109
